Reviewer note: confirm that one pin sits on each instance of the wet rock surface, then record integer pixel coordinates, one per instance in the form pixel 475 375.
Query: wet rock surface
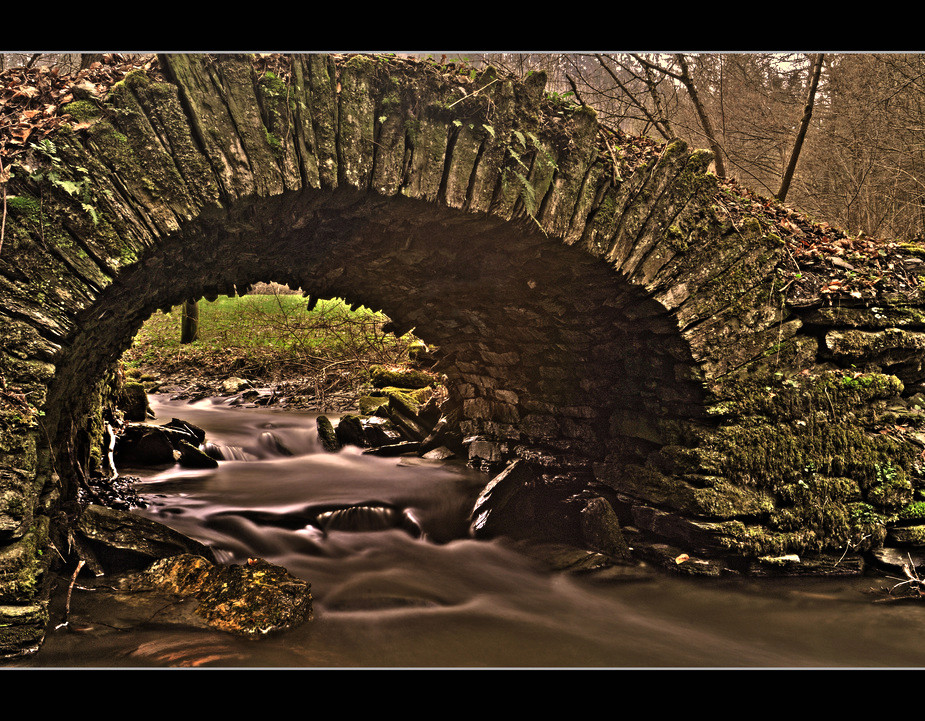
pixel 249 600
pixel 111 540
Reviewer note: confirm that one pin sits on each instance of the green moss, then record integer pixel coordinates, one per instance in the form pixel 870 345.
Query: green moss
pixel 273 141
pixel 412 398
pixel 891 489
pixel 809 443
pixel 912 511
pixel 909 535
pixel 381 377
pixel 368 405
pixel 24 564
pixel 24 206
pixel 137 79
pixel 82 110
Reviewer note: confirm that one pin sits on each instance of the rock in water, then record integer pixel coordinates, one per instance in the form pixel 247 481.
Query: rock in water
pixel 601 531
pixel 367 517
pixel 116 540
pixel 350 431
pixel 193 457
pixel 499 509
pixel 249 600
pixel 327 435
pixel 142 445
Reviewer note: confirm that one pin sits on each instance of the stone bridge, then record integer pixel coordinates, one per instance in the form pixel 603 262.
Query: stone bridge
pixel 598 317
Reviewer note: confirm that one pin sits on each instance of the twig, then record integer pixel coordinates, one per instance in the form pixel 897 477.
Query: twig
pixel 475 92
pixel 67 603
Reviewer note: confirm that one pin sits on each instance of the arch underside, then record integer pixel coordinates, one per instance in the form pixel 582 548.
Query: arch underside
pixel 548 353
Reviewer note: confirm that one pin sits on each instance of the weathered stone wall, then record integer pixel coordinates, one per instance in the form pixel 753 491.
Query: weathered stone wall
pixel 597 319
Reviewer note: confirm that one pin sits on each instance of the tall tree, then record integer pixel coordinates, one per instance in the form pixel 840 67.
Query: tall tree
pixel 804 126
pixel 684 76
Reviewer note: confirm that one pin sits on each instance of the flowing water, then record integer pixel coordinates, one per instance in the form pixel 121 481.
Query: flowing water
pixel 393 599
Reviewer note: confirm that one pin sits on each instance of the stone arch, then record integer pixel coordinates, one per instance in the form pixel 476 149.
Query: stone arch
pixel 584 305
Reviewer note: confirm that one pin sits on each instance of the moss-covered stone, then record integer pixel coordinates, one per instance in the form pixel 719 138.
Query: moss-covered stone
pixel 250 600
pixel 909 535
pixel 382 376
pixel 24 564
pixel 327 434
pixel 22 627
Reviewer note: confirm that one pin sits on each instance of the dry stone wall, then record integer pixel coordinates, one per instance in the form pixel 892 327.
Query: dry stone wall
pixel 599 323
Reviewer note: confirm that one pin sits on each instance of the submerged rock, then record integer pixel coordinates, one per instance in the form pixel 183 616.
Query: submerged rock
pixel 193 457
pixel 249 600
pixel 273 443
pixel 367 517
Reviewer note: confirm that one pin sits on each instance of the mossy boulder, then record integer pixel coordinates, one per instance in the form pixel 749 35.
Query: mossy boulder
pixel 368 405
pixel 327 434
pixel 250 600
pixel 133 401
pixel 398 377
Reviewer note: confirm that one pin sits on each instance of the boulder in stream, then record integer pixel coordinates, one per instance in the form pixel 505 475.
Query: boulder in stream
pixel 142 445
pixel 111 540
pixel 327 435
pixel 250 600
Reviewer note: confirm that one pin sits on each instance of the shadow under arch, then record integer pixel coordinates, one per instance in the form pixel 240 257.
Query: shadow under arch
pixel 549 354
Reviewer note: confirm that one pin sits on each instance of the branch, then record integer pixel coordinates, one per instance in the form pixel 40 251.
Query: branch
pixel 662 125
pixel 688 83
pixel 574 87
pixel 804 126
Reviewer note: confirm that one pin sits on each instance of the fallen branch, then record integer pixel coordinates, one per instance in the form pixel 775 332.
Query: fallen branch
pixel 67 603
pixel 913 582
pixel 473 93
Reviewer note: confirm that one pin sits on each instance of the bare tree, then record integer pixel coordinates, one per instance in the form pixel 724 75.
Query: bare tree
pixel 804 126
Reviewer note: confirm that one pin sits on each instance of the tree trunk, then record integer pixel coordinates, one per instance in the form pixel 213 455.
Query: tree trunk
pixel 705 123
pixel 804 126
pixel 87 59
pixel 189 326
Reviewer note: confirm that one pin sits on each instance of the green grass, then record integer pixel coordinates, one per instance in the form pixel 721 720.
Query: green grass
pixel 270 337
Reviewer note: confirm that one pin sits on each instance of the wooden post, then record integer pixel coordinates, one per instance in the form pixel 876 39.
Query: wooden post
pixel 189 326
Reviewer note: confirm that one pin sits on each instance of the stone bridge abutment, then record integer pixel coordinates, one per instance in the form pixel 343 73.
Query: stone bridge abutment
pixel 596 317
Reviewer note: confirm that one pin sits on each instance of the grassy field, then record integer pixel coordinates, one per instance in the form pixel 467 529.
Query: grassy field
pixel 268 337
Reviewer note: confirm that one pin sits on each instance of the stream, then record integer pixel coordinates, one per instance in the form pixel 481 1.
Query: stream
pixel 389 599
